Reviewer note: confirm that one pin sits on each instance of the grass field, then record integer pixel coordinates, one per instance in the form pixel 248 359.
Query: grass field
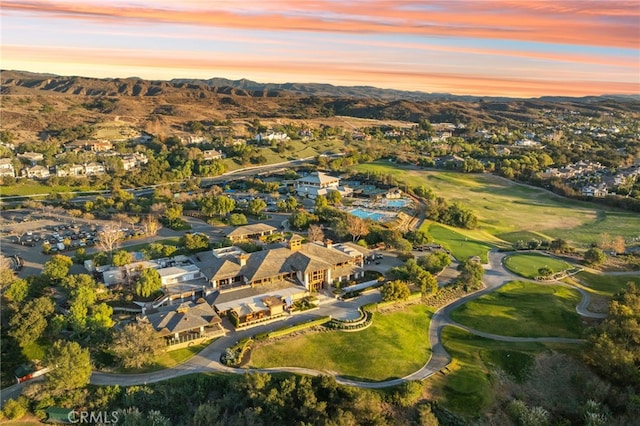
pixel 523 309
pixel 171 241
pixel 528 264
pixel 469 386
pixel 504 207
pixel 168 359
pixel 395 345
pixel 32 188
pixel 605 285
pixel 462 247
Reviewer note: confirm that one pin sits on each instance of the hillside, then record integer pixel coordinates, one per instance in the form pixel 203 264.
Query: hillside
pixel 35 103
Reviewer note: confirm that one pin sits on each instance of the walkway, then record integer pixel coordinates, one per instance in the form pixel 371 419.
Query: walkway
pixel 496 276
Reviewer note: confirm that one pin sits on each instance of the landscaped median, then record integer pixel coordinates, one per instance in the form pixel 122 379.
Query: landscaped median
pixel 531 265
pixel 524 309
pixel 394 345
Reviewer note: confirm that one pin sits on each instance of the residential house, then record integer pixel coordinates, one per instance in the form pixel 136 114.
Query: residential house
pixel 37 172
pixel 88 145
pixel 212 154
pixel 249 232
pixel 131 161
pixel 6 167
pixel 271 136
pixel 93 169
pixel 311 265
pixel 32 157
pixel 69 170
pixel 184 322
pixel 598 191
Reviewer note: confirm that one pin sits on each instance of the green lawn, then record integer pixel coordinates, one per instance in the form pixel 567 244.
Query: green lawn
pixel 396 344
pixel 168 359
pixel 467 388
pixel 171 241
pixel 605 285
pixel 528 264
pixel 505 207
pixel 523 309
pixel 462 247
pixel 26 187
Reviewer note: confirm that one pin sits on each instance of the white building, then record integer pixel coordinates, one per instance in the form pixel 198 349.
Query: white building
pixel 37 172
pixel 319 184
pixel 6 167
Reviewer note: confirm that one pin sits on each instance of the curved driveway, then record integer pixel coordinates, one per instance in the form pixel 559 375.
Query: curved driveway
pixel 495 277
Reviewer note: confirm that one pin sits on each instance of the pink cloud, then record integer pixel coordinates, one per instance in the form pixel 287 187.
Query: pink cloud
pixel 568 22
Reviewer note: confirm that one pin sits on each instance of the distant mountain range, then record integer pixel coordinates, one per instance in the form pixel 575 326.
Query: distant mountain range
pixel 12 81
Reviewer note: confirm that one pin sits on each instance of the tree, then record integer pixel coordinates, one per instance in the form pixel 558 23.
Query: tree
pixel 18 290
pixel 220 205
pixel 470 274
pixel 237 219
pixel 148 283
pixel 82 298
pixel 195 242
pixel 560 246
pixel 70 366
pixel 101 316
pixel 434 262
pixel 150 225
pixel 356 226
pixel 614 345
pixel 15 409
pixel 256 206
pixel 594 256
pixel 419 237
pixel 121 258
pixel 315 233
pixel 395 290
pixel 173 212
pixel 334 197
pixel 545 272
pixel 321 202
pixel 57 267
pixel 301 219
pixel 136 345
pixel 427 282
pixel 110 239
pixel 28 324
pixel 618 245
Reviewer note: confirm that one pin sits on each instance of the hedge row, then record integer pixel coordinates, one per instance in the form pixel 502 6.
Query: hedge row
pixel 291 329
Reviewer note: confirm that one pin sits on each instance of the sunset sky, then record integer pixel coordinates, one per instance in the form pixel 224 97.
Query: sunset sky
pixel 493 47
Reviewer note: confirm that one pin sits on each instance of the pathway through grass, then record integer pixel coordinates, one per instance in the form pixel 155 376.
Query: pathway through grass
pixel 528 265
pixel 523 309
pixel 396 344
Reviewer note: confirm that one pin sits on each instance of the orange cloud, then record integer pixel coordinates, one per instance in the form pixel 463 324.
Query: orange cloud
pixel 568 22
pixel 132 62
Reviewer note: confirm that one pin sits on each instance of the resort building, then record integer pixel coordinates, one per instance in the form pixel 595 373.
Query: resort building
pixel 185 322
pixel 311 265
pixel 319 184
pixel 250 232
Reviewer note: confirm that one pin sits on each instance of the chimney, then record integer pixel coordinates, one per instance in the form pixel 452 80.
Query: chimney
pixel 243 259
pixel 328 243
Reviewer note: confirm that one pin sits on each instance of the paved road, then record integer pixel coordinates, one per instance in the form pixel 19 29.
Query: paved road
pixel 207 360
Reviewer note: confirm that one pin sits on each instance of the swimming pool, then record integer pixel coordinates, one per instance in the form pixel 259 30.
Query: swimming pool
pixel 397 203
pixel 365 214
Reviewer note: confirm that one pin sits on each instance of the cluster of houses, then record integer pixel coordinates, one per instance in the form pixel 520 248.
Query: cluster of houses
pixel 592 178
pixel 102 148
pixel 245 287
